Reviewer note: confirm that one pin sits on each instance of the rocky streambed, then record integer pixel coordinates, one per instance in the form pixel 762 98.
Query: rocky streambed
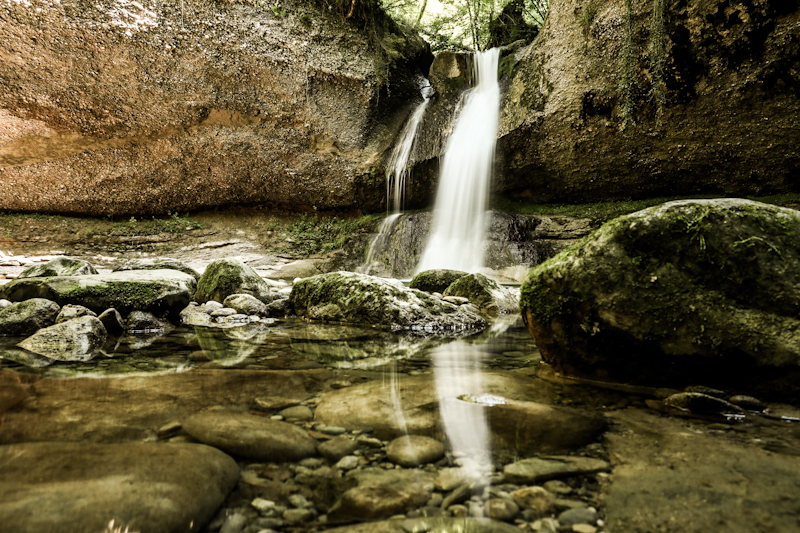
pixel 296 406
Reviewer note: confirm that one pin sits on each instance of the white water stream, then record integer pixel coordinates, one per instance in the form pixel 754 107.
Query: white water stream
pixel 398 169
pixel 459 215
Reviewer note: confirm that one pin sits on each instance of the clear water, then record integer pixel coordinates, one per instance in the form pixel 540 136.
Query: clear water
pixel 459 215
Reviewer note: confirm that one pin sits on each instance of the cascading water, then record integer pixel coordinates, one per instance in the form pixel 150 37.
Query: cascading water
pixel 459 215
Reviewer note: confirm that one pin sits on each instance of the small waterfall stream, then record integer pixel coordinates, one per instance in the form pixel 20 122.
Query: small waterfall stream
pixel 459 215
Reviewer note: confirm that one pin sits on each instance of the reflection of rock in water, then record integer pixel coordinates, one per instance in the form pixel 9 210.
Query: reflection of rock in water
pixel 231 346
pixel 25 358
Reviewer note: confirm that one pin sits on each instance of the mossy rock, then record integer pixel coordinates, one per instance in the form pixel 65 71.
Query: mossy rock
pixel 78 339
pixel 693 291
pixel 492 299
pixel 231 276
pixel 161 292
pixel 158 263
pixel 360 299
pixel 435 280
pixel 60 266
pixel 25 318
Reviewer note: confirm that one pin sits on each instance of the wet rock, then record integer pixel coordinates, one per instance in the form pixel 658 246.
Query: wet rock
pixel 414 450
pixel 361 299
pixel 144 322
pixel 501 509
pixel 486 294
pixel 473 525
pixel 234 523
pixel 246 304
pixel 250 436
pixel 299 412
pixel 75 340
pixel 578 516
pixel 337 448
pixel 87 485
pixel 223 312
pixel 535 470
pixel 60 266
pixel 68 312
pixel 381 494
pixel 192 315
pixel 449 478
pixel 371 404
pixel 748 402
pixel 701 404
pixel 348 462
pixel 537 498
pixel 158 263
pixel 4 303
pixel 296 516
pixel 436 280
pixel 157 291
pixel 280 308
pixel 656 298
pixel 225 277
pixel 28 317
pixel 113 321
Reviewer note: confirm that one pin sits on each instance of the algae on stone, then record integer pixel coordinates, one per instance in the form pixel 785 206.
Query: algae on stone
pixel 60 266
pixel 231 276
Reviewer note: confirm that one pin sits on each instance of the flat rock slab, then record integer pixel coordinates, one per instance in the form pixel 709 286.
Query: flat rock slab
pixel 431 525
pixel 157 488
pixel 536 470
pixel 250 436
pixel 673 478
pixel 156 291
pixel 119 409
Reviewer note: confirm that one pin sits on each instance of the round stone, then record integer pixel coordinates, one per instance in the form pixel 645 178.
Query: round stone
pixel 501 509
pixel 414 450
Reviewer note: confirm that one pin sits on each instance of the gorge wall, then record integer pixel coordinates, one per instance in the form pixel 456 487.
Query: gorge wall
pixel 730 124
pixel 122 107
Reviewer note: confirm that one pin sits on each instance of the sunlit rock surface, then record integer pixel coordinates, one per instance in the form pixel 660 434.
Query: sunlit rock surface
pixel 436 280
pixel 491 298
pixel 150 108
pixel 360 299
pixel 50 487
pixel 78 339
pixel 157 291
pixel 695 291
pixel 225 277
pixel 158 263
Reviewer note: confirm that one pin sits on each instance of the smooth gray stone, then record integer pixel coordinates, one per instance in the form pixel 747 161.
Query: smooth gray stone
pixel 535 470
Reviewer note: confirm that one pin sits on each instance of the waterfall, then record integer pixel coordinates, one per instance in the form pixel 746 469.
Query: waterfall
pixel 397 169
pixel 459 214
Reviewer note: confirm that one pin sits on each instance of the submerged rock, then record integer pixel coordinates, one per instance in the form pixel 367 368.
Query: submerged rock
pixel 252 437
pixel 99 487
pixel 144 322
pixel 690 291
pixel 486 294
pixel 60 266
pixel 157 291
pixel 536 470
pixel 225 277
pixel 414 450
pixel 436 280
pixel 27 317
pixel 436 524
pixel 381 494
pixel 78 339
pixel 361 299
pixel 158 263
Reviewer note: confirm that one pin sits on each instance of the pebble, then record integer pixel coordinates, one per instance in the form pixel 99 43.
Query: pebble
pixel 583 528
pixel 556 486
pixel 533 470
pixel 337 448
pixel 586 515
pixel 501 509
pixel 235 523
pixel 414 450
pixel 263 506
pixel 537 498
pixel 331 430
pixel 348 462
pixel 300 412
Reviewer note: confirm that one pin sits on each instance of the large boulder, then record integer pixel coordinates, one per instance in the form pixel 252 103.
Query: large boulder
pixel 157 291
pixel 694 291
pixel 50 487
pixel 78 339
pixel 27 317
pixel 730 110
pixel 491 298
pixel 60 266
pixel 225 277
pixel 150 108
pixel 158 263
pixel 361 299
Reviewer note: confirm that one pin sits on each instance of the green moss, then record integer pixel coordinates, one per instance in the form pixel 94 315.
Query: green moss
pixel 126 295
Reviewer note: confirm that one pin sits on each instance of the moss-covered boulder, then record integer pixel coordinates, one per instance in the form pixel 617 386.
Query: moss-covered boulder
pixel 60 266
pixel 492 299
pixel 231 276
pixel 27 317
pixel 246 304
pixel 161 292
pixel 158 263
pixel 435 280
pixel 689 292
pixel 360 299
pixel 78 339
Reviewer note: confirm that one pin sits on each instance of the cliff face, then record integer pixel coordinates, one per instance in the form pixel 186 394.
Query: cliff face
pixel 730 123
pixel 122 107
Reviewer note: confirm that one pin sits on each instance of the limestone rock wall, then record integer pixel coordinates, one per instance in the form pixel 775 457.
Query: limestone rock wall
pixel 122 107
pixel 731 123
